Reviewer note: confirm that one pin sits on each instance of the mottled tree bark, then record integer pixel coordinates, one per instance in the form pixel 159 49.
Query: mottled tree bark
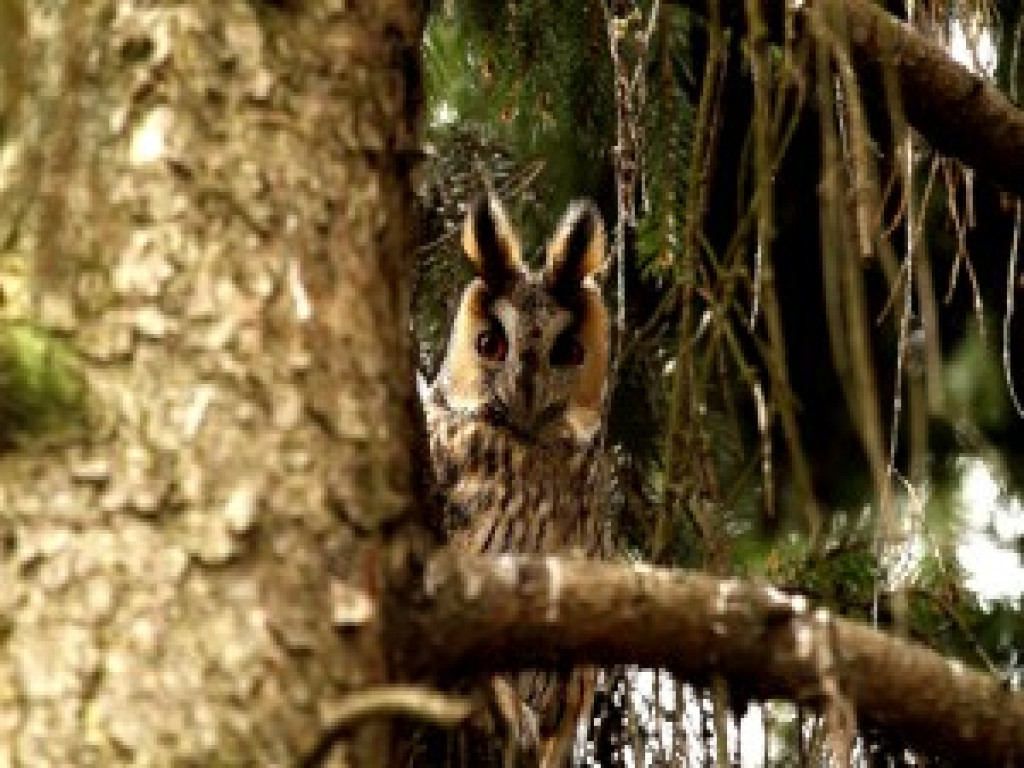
pixel 214 198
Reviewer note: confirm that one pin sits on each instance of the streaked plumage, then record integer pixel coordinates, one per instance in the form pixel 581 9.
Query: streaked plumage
pixel 515 418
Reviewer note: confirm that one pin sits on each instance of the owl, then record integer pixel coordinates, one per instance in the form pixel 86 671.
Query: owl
pixel 515 420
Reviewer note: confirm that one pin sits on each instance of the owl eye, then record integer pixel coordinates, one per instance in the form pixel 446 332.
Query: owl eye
pixel 491 343
pixel 567 351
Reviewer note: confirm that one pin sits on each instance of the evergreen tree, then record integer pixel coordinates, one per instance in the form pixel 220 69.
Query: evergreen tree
pixel 784 408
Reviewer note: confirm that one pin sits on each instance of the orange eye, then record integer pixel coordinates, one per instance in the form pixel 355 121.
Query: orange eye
pixel 491 343
pixel 567 351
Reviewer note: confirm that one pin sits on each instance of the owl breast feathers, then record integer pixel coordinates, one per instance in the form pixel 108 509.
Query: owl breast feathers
pixel 515 417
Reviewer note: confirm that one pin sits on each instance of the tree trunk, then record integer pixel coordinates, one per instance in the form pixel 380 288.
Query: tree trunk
pixel 214 201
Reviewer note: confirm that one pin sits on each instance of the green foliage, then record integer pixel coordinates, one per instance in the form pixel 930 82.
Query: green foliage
pixel 40 391
pixel 668 133
pixel 974 382
pixel 524 91
pixel 533 77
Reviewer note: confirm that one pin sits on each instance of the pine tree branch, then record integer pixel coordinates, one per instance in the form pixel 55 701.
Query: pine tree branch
pixel 489 615
pixel 958 112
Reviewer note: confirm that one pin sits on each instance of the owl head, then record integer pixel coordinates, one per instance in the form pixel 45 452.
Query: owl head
pixel 529 348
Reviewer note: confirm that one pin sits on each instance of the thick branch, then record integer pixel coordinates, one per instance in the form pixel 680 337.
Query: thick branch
pixel 486 615
pixel 958 112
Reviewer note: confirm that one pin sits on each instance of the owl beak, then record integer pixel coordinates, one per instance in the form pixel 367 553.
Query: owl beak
pixel 526 425
pixel 526 380
pixel 527 412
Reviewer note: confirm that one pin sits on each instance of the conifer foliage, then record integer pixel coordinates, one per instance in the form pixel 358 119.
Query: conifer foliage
pixel 818 347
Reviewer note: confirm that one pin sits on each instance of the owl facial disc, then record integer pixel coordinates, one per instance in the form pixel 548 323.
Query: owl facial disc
pixel 529 350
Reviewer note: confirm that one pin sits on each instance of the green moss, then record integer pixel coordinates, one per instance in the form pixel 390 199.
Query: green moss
pixel 41 393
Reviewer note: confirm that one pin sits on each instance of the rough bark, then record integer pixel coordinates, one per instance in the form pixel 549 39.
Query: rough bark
pixel 766 644
pixel 214 201
pixel 958 112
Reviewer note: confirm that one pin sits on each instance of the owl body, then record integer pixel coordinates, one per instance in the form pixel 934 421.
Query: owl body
pixel 515 418
pixel 502 495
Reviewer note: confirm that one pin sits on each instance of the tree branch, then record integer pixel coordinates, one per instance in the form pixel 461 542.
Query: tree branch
pixel 960 113
pixel 489 615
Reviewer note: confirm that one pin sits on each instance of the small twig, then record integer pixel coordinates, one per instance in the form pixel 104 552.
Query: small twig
pixel 630 96
pixel 1011 284
pixel 961 226
pixel 437 242
pixel 509 190
pixel 412 701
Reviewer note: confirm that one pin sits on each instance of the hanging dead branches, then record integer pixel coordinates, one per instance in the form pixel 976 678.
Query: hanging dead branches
pixel 629 38
pixel 957 111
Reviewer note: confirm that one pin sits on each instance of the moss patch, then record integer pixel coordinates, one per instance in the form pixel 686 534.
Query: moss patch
pixel 41 392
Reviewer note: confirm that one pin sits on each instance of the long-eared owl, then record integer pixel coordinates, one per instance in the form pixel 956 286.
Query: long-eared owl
pixel 515 417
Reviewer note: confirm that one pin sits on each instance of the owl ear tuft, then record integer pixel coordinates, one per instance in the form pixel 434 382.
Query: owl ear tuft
pixel 577 249
pixel 490 242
